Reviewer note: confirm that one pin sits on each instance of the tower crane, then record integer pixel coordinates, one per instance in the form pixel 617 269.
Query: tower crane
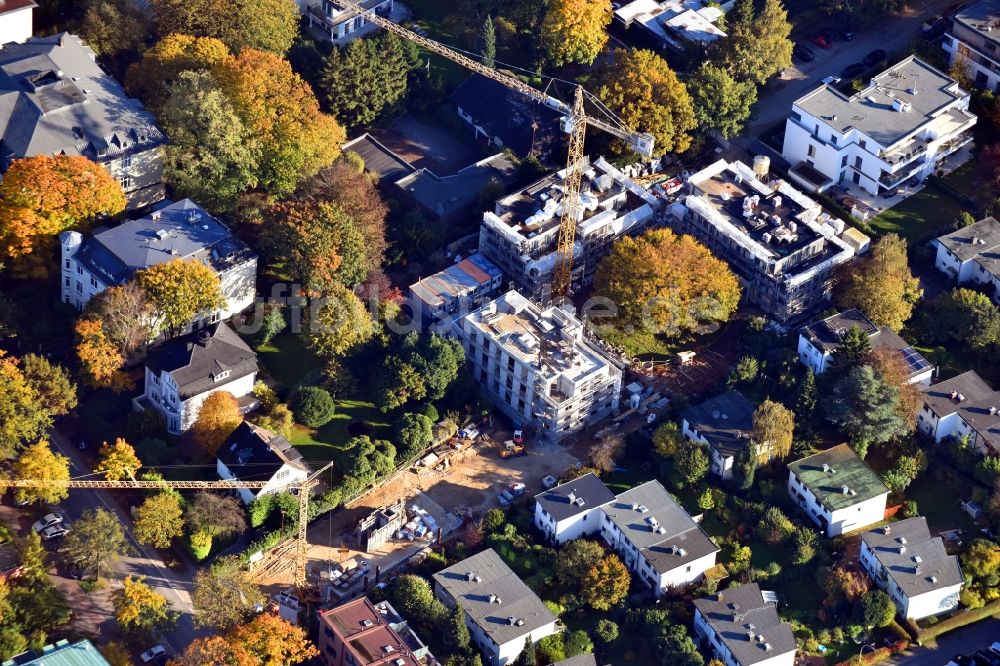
pixel 574 122
pixel 303 490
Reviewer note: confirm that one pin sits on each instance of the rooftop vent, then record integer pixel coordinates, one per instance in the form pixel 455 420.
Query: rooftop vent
pixel 886 529
pixel 917 559
pixel 519 622
pixel 844 490
pixel 902 540
pixel 642 508
pixel 826 468
pixel 661 530
pixel 571 497
pixel 155 215
pixel 579 501
pixel 367 623
pixel 652 521
pixel 681 552
pixel 400 662
pixel 388 649
pixel 161 234
pixel 961 398
pixel 494 599
pixel 767 647
pixel 932 579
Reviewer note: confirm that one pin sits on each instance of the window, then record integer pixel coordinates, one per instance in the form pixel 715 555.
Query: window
pixel 127 162
pixel 79 287
pixel 126 182
pixel 79 269
pixel 67 263
pixel 93 282
pixel 812 151
pixel 173 424
pixel 67 281
pixel 857 162
pixel 843 161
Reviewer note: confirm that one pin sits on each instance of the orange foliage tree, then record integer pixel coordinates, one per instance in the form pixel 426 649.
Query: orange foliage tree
pixel 266 640
pixel 218 417
pixel 100 358
pixel 894 370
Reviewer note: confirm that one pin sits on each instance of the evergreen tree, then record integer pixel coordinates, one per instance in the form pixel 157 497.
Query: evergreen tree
pixel 805 404
pixel 527 656
pixel 854 349
pixel 456 633
pixel 745 466
pixel 489 39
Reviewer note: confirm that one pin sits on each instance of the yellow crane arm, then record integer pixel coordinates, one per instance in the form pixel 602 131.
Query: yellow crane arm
pixel 233 484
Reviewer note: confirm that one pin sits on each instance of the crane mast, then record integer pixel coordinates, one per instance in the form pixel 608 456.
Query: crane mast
pixel 575 122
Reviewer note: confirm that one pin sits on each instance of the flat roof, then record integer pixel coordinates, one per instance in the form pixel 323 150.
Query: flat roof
pixel 829 472
pixel 690 20
pixel 366 629
pixel 983 17
pixel 726 421
pixel 379 160
pixel 915 561
pixel 574 497
pixel 746 624
pixel 927 91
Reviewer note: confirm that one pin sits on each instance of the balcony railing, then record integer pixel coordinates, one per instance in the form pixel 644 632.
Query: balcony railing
pixel 894 179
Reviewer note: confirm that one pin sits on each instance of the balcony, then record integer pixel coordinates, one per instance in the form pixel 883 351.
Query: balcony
pixel 896 179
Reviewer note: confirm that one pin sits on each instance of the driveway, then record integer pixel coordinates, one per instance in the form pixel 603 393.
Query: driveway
pixel 961 641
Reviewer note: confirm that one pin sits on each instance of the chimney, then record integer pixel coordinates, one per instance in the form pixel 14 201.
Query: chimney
pixel 844 490
pixel 205 338
pixel 961 398
pixel 62 39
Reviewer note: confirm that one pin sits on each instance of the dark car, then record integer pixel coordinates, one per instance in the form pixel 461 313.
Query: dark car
pixel 803 53
pixel 852 71
pixel 874 58
pixel 821 39
pixel 847 34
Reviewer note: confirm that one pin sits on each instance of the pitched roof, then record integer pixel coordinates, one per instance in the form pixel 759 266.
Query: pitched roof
pixel 7 6
pixel 254 452
pixel 914 560
pixel 379 160
pixel 55 98
pixel 494 597
pixel 976 239
pixel 196 359
pixel 660 528
pixel 829 472
pixel 456 281
pixel 726 421
pixel 974 401
pixel 585 659
pixel 746 624
pixel 63 653
pixel 445 195
pixel 174 230
pixel 574 497
pixel 826 335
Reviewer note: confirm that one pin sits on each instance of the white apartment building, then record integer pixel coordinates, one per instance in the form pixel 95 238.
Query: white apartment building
pixel 656 539
pixel 183 371
pixel 963 406
pixel 973 41
pixel 820 340
pixel 675 23
pixel 339 25
pixel 782 245
pixel 900 126
pixel 181 230
pixel 501 612
pixel 251 452
pixel 16 20
pixel 573 509
pixel 837 490
pixel 914 569
pixel 521 234
pixel 971 255
pixel 537 367
pixel 741 628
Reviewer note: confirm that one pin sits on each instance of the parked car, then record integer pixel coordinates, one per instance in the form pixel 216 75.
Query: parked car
pixel 48 521
pixel 847 34
pixel 55 532
pixel 874 58
pixel 821 39
pixel 852 71
pixel 803 53
pixel 153 653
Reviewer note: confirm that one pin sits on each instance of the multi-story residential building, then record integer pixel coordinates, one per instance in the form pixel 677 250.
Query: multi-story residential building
pixel 16 20
pixel 781 244
pixel 900 126
pixel 741 628
pixel 913 568
pixel 971 255
pixel 502 613
pixel 972 42
pixel 521 234
pixel 183 371
pixel 181 230
pixel 61 653
pixel 339 25
pixel 820 340
pixel 676 24
pixel 56 100
pixel 837 490
pixel 656 538
pixel 252 452
pixel 960 407
pixel 537 367
pixel 573 509
pixel 724 424
pixel 361 633
pixel 458 288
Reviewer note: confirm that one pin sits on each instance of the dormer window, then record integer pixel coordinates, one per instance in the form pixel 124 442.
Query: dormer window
pixel 219 376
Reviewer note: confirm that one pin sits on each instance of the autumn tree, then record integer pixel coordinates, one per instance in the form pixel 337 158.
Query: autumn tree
pixel 101 360
pixel 24 416
pixel 42 196
pixel 51 382
pixel 212 156
pixel 126 316
pixel 224 595
pixel 206 650
pixel 141 612
pixel 159 519
pixel 757 45
pixel 96 542
pixel 666 283
pixel 218 416
pixel 774 526
pixel 215 514
pixel 116 654
pixel 366 78
pixel 181 290
pixel 162 64
pixel 113 27
pixel 316 243
pixel 606 583
pixel 267 639
pixel 575 30
pixel 575 559
pixel 881 285
pixel 118 461
pixel 773 426
pixel 268 25
pixel 720 102
pixel 867 408
pixel 280 109
pixel 667 440
pixel 895 371
pixel 39 462
pixel 338 323
pixel 642 90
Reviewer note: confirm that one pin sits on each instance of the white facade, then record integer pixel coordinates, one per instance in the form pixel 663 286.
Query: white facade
pixel 339 25
pixel 962 407
pixel 16 24
pixel 505 653
pixel 286 476
pixel 582 524
pixel 969 256
pixel 972 43
pixel 934 602
pixel 179 413
pixel 881 136
pixel 725 655
pixel 840 521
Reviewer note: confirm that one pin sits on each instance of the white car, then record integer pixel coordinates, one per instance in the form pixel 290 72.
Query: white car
pixel 47 521
pixel 153 653
pixel 54 532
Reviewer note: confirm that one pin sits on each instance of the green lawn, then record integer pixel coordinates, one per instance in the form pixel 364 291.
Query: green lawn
pixel 431 15
pixel 646 345
pixel 287 359
pixel 353 417
pixel 937 493
pixel 920 217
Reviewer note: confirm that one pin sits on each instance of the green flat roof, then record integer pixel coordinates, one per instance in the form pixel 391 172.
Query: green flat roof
pixel 63 653
pixel 828 472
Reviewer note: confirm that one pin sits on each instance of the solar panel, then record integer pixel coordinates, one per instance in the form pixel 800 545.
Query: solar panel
pixel 914 360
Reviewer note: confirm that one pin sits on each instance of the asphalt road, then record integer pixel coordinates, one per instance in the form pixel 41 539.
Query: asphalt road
pixel 961 641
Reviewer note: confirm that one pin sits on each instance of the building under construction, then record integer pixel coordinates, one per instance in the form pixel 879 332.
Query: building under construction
pixel 521 234
pixel 537 367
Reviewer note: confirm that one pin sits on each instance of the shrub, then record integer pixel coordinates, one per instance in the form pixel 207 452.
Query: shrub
pixel 910 509
pixel 431 412
pixel 606 630
pixel 201 545
pixel 312 406
pixel 552 649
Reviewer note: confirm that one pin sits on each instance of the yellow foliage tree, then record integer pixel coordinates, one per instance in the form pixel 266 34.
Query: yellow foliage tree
pixel 149 78
pixel 159 520
pixel 140 611
pixel 881 284
pixel 606 583
pixel 576 30
pixel 218 417
pixel 773 427
pixel 100 358
pixel 181 290
pixel 118 461
pixel 38 461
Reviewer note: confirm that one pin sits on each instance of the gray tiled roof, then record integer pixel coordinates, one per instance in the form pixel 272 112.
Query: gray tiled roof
pixel 574 497
pixel 471 583
pixel 871 110
pixel 979 405
pixel 826 336
pixel 915 561
pixel 251 452
pixel 55 98
pixel 445 195
pixel 586 659
pixel 379 160
pixel 726 421
pixel 192 363
pixel 979 242
pixel 739 615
